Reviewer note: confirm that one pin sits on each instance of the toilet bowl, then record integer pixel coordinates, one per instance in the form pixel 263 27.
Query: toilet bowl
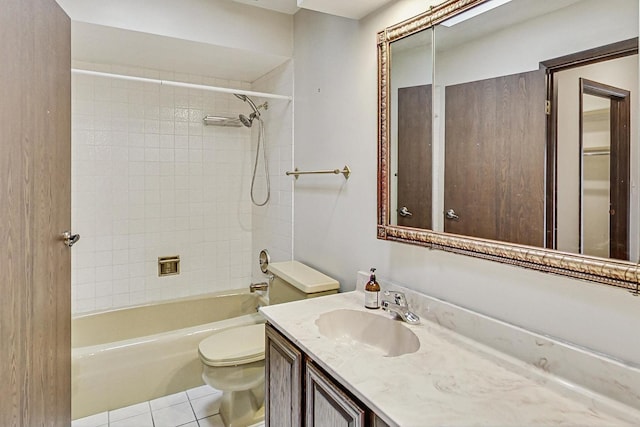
pixel 233 362
pixel 233 359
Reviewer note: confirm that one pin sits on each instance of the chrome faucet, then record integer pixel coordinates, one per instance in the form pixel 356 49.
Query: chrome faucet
pixel 395 302
pixel 258 286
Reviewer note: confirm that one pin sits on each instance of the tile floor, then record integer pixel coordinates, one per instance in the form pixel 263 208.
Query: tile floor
pixel 197 407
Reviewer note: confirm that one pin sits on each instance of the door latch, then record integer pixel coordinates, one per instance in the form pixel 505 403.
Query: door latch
pixel 451 214
pixel 70 239
pixel 404 212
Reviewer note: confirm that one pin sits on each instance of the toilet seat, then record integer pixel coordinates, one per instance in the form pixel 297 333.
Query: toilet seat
pixel 234 346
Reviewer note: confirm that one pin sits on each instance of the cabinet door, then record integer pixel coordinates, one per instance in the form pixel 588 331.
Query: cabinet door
pixel 376 421
pixel 327 405
pixel 283 381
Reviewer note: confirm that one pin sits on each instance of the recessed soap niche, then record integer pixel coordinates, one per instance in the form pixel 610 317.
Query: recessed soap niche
pixel 168 265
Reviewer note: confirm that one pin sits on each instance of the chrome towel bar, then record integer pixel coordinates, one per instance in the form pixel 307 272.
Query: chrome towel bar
pixel 345 171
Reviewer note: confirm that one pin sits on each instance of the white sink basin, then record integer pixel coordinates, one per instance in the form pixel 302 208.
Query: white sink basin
pixel 386 335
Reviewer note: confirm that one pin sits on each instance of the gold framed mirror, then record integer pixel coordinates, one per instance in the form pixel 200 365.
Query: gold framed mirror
pixel 430 92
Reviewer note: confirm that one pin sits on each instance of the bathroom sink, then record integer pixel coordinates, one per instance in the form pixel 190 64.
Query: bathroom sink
pixel 386 335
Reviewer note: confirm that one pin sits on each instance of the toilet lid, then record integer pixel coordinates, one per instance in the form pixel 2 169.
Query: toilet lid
pixel 234 346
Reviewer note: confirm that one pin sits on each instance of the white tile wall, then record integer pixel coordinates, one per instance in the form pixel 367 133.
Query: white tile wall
pixel 273 223
pixel 149 180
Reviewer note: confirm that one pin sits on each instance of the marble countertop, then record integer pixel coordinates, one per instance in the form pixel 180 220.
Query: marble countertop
pixel 450 380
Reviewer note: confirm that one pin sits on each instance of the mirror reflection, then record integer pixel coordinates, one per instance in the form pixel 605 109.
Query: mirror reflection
pixel 517 96
pixel 411 152
pixel 596 170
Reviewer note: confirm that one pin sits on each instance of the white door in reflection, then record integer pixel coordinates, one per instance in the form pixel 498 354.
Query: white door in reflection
pixel 596 159
pixel 596 123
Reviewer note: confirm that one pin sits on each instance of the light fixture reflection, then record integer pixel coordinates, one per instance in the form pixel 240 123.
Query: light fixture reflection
pixel 482 8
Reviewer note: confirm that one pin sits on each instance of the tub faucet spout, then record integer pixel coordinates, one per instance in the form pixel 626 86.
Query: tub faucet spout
pixel 258 286
pixel 395 302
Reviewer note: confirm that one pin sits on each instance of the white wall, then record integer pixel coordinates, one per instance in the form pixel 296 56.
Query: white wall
pixel 335 221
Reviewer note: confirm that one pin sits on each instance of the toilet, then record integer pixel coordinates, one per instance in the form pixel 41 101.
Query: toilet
pixel 233 359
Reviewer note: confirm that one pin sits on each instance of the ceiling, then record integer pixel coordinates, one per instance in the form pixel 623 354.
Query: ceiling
pixel 95 43
pixel 285 6
pixel 109 45
pixel 354 9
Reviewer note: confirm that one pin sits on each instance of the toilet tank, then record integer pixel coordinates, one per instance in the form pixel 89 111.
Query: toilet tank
pixel 295 281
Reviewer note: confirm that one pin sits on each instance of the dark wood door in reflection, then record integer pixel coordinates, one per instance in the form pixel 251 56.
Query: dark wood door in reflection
pixel 414 156
pixel 494 158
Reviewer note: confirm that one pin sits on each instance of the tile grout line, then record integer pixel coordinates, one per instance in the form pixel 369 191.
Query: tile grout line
pixel 153 420
pixel 195 416
pixel 151 411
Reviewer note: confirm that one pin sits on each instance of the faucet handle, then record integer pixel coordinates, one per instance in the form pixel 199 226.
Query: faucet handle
pixel 258 286
pixel 398 297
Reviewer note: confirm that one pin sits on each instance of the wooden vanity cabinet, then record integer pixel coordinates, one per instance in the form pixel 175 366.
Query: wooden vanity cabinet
pixel 283 381
pixel 326 404
pixel 299 393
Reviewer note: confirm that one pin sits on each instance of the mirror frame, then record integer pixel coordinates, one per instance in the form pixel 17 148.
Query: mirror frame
pixel 621 274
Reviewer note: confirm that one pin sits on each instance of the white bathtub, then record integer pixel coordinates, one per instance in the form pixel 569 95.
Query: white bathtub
pixel 125 356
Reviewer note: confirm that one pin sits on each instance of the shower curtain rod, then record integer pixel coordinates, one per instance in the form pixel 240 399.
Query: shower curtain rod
pixel 180 84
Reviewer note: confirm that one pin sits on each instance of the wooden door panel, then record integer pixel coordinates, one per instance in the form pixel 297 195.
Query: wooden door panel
pixel 327 405
pixel 619 181
pixel 620 177
pixel 495 137
pixel 414 155
pixel 283 379
pixel 35 204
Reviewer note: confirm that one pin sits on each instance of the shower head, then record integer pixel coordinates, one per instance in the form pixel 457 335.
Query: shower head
pixel 248 100
pixel 247 121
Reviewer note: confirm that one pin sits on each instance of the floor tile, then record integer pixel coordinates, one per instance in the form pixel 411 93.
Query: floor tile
pixel 207 405
pixel 142 420
pixel 201 391
pixel 193 424
pixel 129 411
pixel 173 416
pixel 260 424
pixel 170 400
pixel 101 419
pixel 214 421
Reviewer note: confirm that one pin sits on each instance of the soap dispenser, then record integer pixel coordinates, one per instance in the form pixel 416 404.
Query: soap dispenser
pixel 372 292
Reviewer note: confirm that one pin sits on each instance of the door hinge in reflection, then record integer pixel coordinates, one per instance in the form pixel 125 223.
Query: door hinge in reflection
pixel 547 107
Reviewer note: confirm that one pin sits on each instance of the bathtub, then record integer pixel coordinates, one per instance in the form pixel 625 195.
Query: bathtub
pixel 130 355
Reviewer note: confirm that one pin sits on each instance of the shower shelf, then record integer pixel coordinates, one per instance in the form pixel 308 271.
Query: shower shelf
pixel 181 84
pixel 346 172
pixel 224 121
